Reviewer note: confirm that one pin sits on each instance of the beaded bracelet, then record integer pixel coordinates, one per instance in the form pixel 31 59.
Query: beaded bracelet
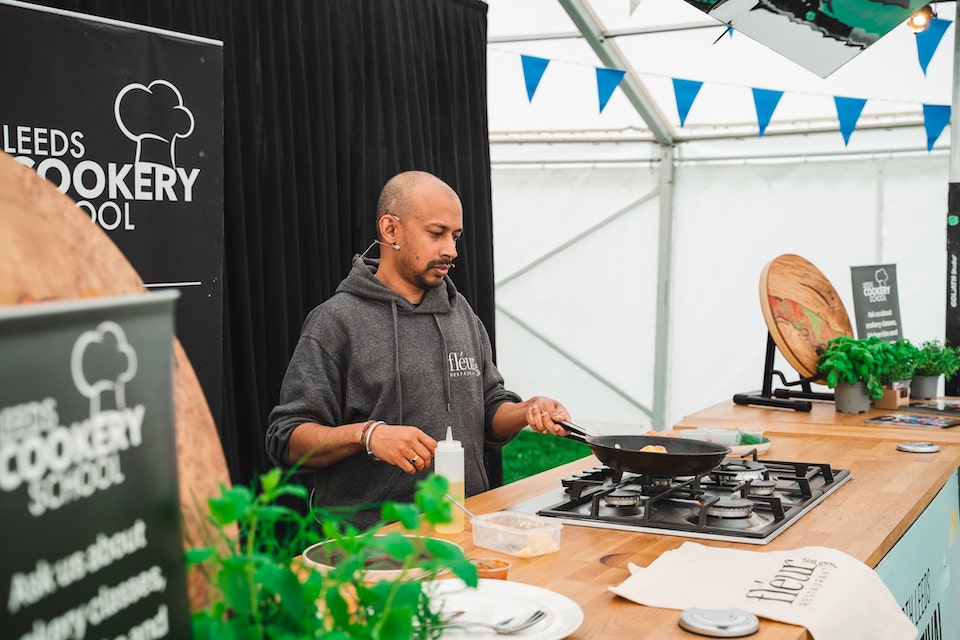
pixel 367 442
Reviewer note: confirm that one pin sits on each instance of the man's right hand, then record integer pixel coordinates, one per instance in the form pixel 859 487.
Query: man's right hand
pixel 403 446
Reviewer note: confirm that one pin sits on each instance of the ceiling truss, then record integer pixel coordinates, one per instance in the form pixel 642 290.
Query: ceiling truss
pixel 610 54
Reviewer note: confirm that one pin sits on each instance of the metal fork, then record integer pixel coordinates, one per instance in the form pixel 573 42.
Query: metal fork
pixel 504 627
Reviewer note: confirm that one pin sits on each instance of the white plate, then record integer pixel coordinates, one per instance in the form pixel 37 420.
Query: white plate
pixel 495 600
pixel 742 449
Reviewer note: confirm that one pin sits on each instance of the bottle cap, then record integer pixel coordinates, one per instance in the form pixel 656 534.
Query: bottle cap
pixel 449 443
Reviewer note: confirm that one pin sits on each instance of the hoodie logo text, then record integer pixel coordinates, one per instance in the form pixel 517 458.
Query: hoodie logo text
pixel 460 365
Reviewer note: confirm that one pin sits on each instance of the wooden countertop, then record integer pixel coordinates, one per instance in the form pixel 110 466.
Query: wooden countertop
pixel 822 420
pixel 864 518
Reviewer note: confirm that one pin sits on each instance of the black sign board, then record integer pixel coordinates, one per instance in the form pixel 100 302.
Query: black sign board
pixel 91 542
pixel 876 302
pixel 128 122
pixel 952 318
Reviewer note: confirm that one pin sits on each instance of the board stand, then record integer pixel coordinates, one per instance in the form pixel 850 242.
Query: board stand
pixel 798 400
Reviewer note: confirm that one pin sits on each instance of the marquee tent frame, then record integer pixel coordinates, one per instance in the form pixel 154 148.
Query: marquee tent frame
pixel 665 145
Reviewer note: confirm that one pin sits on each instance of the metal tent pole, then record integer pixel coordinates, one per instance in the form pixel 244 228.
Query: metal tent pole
pixel 955 103
pixel 641 100
pixel 661 390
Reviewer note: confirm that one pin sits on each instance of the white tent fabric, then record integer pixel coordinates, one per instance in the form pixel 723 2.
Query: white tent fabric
pixel 665 46
pixel 592 217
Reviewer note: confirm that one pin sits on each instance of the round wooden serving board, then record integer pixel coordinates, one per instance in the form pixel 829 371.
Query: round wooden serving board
pixel 50 250
pixel 802 311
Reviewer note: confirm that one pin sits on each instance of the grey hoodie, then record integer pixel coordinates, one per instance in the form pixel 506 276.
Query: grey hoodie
pixel 369 354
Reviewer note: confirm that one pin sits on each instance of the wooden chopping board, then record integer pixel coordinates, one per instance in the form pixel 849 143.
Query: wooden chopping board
pixel 802 311
pixel 50 250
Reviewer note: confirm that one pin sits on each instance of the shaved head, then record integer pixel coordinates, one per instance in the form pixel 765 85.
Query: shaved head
pixel 395 197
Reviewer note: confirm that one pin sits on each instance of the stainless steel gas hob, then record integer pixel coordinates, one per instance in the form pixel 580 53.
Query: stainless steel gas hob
pixel 741 500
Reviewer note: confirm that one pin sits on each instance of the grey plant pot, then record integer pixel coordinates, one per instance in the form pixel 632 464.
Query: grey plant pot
pixel 851 398
pixel 924 387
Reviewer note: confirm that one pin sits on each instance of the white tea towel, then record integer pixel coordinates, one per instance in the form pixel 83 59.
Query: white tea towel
pixel 833 595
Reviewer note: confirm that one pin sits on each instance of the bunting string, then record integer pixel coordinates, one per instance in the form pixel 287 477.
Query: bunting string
pixel 848 109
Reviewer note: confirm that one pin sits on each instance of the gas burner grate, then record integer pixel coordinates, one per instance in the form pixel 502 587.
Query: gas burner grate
pixel 711 505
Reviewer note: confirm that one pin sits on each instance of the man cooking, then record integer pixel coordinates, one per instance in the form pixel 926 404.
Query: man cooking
pixel 391 359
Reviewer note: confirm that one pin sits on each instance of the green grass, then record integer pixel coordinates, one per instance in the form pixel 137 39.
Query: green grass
pixel 530 453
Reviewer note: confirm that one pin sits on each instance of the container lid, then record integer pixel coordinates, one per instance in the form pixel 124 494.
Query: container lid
pixel 918 447
pixel 516 521
pixel 449 444
pixel 719 623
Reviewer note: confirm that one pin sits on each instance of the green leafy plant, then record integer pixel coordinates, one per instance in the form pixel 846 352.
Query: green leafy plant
pixel 935 358
pixel 261 589
pixel 899 361
pixel 851 360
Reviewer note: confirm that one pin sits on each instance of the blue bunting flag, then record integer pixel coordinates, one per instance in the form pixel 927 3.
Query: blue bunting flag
pixel 935 118
pixel 607 82
pixel 766 102
pixel 928 40
pixel 685 92
pixel 533 69
pixel 848 112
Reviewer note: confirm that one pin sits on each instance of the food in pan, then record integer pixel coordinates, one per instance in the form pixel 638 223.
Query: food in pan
pixel 654 448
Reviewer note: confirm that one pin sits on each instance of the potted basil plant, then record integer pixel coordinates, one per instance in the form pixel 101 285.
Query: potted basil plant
pixel 934 358
pixel 899 362
pixel 262 590
pixel 853 368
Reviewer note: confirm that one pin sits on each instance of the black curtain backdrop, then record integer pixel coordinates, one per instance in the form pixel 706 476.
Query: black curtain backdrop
pixel 324 100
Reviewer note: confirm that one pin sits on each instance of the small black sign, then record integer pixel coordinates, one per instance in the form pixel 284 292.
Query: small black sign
pixel 91 542
pixel 875 301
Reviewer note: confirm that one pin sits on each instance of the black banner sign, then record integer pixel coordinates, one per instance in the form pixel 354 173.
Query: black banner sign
pixel 952 332
pixel 876 301
pixel 128 122
pixel 90 545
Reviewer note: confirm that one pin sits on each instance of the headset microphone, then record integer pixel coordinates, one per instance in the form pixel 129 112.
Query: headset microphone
pixel 387 244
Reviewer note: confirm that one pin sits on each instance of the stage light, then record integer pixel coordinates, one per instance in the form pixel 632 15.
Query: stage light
pixel 920 20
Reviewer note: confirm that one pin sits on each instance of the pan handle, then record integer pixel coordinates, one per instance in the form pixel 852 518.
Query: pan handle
pixel 575 429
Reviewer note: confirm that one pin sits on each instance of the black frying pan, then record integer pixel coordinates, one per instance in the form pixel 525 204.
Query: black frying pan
pixel 684 457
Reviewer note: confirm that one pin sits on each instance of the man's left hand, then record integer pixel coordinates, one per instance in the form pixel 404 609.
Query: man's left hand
pixel 544 413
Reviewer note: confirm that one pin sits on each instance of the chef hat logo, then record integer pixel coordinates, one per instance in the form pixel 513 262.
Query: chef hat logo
pixel 154 117
pixel 103 362
pixel 881 276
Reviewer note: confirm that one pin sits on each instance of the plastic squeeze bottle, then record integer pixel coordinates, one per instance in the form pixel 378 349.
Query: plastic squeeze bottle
pixel 449 464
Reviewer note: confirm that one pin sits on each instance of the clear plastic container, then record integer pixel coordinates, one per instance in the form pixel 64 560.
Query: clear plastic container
pixel 491 568
pixel 694 434
pixel 729 437
pixel 516 533
pixel 751 435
